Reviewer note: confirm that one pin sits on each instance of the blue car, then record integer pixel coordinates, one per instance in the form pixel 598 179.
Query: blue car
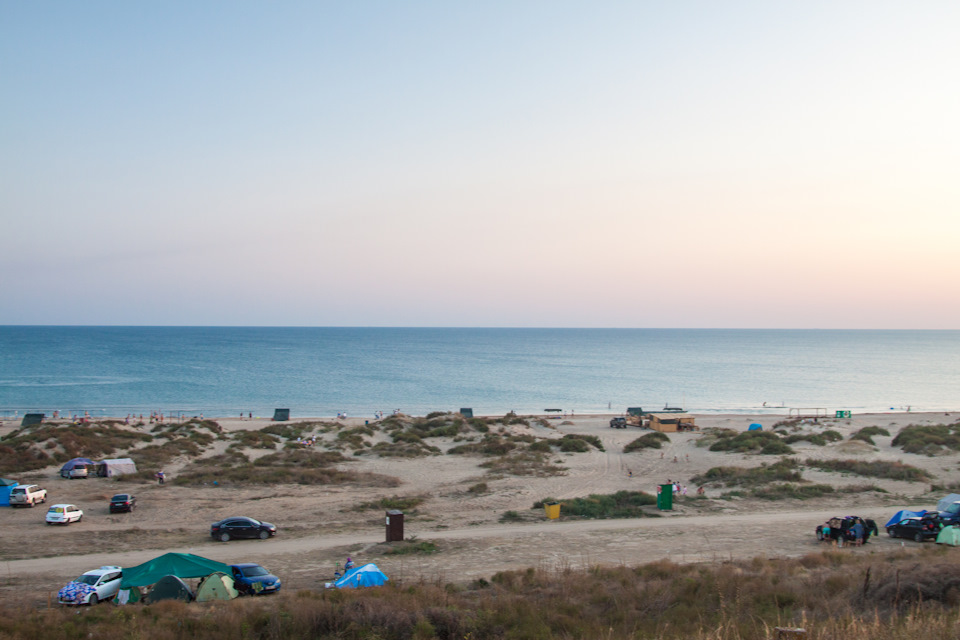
pixel 252 579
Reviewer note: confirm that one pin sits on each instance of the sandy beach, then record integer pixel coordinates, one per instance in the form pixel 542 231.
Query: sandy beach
pixel 321 525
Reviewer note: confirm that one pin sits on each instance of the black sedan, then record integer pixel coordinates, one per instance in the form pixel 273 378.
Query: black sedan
pixel 918 529
pixel 122 502
pixel 241 527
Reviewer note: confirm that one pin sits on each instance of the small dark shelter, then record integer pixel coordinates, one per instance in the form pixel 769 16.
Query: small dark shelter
pixel 169 588
pixel 466 412
pixel 281 415
pixel 30 419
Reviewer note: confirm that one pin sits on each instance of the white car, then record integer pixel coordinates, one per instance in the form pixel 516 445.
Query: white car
pixel 64 514
pixel 92 587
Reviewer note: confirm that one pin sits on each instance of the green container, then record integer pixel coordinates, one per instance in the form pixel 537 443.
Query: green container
pixel 665 497
pixel 842 414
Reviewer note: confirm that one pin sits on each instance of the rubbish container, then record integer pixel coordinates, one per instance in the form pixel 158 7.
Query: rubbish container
pixel 552 509
pixel 394 526
pixel 665 497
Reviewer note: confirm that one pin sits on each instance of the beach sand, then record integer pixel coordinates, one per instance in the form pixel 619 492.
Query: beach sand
pixel 320 525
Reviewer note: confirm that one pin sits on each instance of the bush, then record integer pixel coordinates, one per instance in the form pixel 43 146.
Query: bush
pixel 622 504
pixel 763 442
pixel 789 490
pixel 872 469
pixel 652 440
pixel 786 470
pixel 866 434
pixel 928 440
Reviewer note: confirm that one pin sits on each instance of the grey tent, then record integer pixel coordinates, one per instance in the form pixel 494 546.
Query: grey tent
pixel 30 419
pixel 944 503
pixel 169 588
pixel 115 467
pixel 281 415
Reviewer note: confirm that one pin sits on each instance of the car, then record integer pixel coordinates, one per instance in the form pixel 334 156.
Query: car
pixel 122 502
pixel 252 579
pixel 951 515
pixel 915 527
pixel 842 529
pixel 241 527
pixel 618 423
pixel 92 587
pixel 74 473
pixel 27 495
pixel 64 514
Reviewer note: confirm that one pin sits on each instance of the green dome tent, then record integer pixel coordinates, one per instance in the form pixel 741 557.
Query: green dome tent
pixel 216 586
pixel 950 536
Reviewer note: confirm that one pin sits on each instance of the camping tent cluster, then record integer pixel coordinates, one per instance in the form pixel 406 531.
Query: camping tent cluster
pixel 165 576
pixel 104 468
pixel 948 505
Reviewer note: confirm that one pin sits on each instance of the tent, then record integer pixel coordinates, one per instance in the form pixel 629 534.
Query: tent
pixel 950 536
pixel 75 462
pixel 181 565
pixel 5 487
pixel 169 588
pixel 128 596
pixel 945 502
pixel 756 426
pixel 900 515
pixel 115 467
pixel 367 575
pixel 216 586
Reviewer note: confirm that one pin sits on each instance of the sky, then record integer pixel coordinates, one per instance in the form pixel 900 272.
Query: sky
pixel 516 164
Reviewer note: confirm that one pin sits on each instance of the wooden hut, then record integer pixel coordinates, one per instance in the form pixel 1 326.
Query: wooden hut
pixel 671 422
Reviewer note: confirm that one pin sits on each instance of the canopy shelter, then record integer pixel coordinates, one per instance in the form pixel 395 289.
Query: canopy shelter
pixel 181 565
pixel 367 575
pixel 5 487
pixel 756 426
pixel 903 515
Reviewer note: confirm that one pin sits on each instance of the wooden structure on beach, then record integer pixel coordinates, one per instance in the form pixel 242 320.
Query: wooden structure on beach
pixel 672 422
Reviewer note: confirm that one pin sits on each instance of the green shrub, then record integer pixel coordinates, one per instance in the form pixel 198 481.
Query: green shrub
pixel 928 440
pixel 866 434
pixel 786 470
pixel 873 469
pixel 653 440
pixel 789 490
pixel 763 442
pixel 622 504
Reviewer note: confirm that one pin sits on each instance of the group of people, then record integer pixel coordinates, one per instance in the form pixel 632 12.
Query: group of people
pixel 307 442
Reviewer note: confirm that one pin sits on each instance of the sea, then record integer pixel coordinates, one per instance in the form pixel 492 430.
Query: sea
pixel 360 371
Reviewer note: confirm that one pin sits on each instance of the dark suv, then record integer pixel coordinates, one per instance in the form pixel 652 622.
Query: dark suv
pixel 619 423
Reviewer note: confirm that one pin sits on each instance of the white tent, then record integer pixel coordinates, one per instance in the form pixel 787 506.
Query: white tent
pixel 945 502
pixel 116 467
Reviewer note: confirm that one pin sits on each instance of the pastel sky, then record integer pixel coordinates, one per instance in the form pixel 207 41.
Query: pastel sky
pixel 534 163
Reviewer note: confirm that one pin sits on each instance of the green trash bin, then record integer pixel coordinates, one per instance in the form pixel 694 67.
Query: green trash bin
pixel 665 497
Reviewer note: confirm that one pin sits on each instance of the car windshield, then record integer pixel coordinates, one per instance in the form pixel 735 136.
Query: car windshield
pixel 252 572
pixel 120 497
pixel 18 490
pixel 55 510
pixel 87 579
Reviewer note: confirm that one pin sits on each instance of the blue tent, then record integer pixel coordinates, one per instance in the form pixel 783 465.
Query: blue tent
pixel 900 515
pixel 76 462
pixel 367 575
pixel 756 426
pixel 5 487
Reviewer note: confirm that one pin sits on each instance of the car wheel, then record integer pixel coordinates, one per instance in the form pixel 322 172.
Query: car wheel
pixel 918 537
pixel 224 537
pixel 80 518
pixel 264 535
pixel 94 600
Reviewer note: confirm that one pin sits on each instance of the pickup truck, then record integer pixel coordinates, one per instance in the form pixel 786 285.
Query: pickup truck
pixel 27 495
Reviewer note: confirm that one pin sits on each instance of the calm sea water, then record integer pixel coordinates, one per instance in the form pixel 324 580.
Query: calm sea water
pixel 324 371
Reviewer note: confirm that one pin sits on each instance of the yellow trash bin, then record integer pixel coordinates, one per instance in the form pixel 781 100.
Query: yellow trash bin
pixel 552 509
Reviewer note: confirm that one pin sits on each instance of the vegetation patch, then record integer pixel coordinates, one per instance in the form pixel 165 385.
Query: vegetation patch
pixel 30 448
pixel 622 504
pixel 818 439
pixel 653 440
pixel 523 463
pixel 786 470
pixel 872 469
pixel 929 440
pixel 762 442
pixel 574 442
pixel 411 547
pixel 866 434
pixel 404 449
pixel 789 490
pixel 254 440
pixel 395 502
pixel 492 444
